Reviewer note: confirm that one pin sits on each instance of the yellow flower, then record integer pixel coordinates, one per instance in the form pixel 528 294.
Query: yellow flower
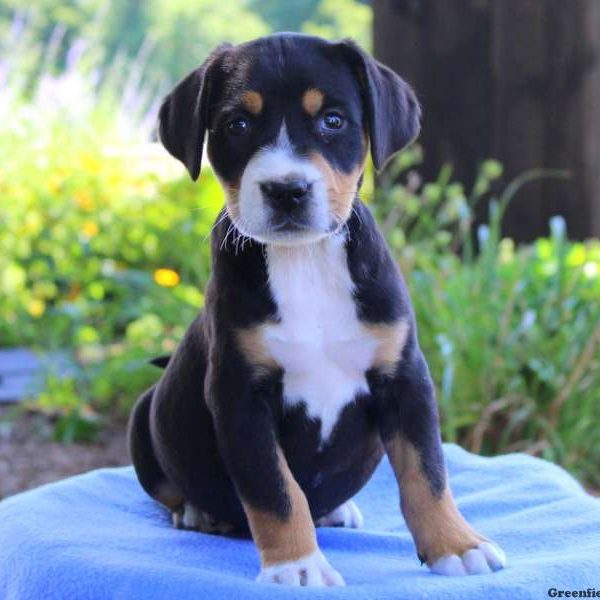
pixel 54 183
pixel 577 255
pixel 91 164
pixel 74 292
pixel 89 228
pixel 166 277
pixel 84 200
pixel 36 307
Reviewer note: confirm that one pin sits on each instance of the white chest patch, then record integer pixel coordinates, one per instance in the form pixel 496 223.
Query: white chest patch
pixel 321 345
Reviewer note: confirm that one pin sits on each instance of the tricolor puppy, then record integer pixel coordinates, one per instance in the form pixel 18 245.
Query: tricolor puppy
pixel 304 368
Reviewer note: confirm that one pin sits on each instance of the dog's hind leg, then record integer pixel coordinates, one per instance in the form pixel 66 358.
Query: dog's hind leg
pixel 156 483
pixel 150 474
pixel 179 426
pixel 345 515
pixel 190 517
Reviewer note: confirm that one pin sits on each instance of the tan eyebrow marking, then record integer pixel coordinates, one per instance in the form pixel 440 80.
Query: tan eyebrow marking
pixel 312 101
pixel 253 102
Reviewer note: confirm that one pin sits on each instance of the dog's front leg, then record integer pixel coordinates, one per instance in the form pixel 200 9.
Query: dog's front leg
pixel 276 507
pixel 409 425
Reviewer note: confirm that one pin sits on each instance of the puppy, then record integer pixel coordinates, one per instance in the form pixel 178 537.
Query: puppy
pixel 304 367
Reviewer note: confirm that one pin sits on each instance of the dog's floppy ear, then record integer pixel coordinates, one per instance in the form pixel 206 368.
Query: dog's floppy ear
pixel 183 116
pixel 392 109
pixel 161 361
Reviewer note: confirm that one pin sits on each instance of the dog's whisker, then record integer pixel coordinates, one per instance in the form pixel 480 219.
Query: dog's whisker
pixel 230 229
pixel 215 225
pixel 358 217
pixel 202 206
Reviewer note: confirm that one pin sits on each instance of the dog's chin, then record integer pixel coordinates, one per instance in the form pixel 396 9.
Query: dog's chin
pixel 295 238
pixel 289 234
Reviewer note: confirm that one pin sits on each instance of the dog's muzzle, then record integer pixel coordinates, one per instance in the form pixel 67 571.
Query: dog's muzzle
pixel 288 202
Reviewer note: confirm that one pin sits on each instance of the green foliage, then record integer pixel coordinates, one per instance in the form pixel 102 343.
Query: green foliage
pixel 101 251
pixel 40 21
pixel 331 19
pixel 337 19
pixel 74 419
pixel 44 37
pixel 285 16
pixel 512 335
pixel 164 39
pixel 185 32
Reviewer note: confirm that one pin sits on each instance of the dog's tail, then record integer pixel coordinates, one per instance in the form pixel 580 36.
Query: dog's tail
pixel 161 361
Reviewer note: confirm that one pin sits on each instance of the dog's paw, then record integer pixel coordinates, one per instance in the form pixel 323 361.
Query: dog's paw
pixel 312 570
pixel 485 558
pixel 346 515
pixel 191 518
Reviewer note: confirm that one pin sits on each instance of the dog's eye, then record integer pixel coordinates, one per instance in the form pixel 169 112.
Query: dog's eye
pixel 238 126
pixel 332 120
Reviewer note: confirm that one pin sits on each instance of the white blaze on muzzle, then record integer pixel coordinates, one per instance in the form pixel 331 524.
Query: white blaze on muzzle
pixel 279 162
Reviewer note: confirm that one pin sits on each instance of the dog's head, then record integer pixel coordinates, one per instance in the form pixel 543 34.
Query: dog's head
pixel 289 119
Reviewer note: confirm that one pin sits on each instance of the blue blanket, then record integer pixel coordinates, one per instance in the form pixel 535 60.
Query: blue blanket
pixel 98 536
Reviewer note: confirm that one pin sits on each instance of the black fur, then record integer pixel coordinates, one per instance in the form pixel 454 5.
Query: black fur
pixel 392 110
pixel 183 116
pixel 381 296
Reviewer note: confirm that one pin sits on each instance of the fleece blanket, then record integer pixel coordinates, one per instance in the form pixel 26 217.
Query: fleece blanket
pixel 98 536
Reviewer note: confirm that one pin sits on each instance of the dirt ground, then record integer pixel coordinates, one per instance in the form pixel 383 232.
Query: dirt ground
pixel 29 457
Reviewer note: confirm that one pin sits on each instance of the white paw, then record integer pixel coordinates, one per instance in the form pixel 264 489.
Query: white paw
pixel 487 557
pixel 312 570
pixel 192 517
pixel 346 515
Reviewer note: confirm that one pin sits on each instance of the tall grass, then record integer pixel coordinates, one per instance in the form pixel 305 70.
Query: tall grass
pixel 512 334
pixel 118 102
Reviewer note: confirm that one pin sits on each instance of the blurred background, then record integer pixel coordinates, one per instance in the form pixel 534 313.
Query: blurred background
pixel 492 215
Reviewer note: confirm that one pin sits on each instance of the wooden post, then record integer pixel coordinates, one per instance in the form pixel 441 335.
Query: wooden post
pixel 516 80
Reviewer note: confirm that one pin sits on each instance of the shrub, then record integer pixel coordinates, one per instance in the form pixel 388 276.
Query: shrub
pixel 102 253
pixel 512 334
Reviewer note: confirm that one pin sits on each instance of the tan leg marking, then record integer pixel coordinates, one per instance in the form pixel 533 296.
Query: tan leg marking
pixel 392 339
pixel 252 102
pixel 280 540
pixel 312 101
pixel 435 523
pixel 253 347
pixel 341 187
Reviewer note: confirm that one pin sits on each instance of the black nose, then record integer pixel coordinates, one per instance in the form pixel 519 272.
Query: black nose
pixel 286 195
